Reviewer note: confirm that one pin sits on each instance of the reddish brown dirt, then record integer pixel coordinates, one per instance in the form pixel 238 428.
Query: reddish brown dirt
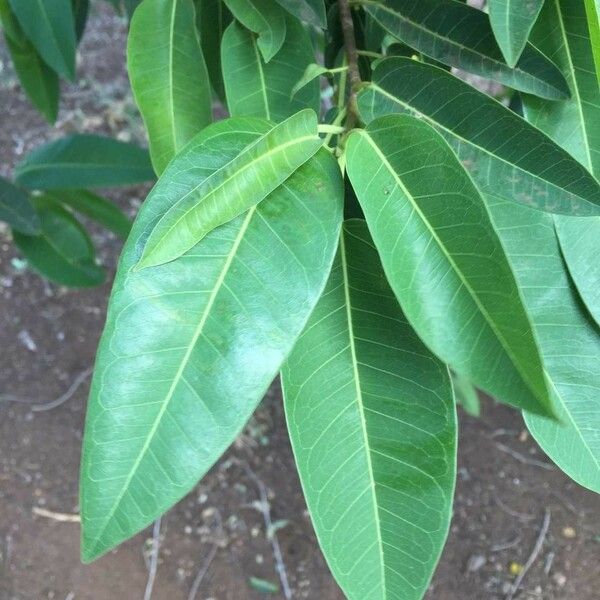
pixel 48 337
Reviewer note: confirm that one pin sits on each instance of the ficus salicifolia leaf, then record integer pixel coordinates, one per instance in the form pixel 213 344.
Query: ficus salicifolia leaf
pixel 309 11
pixel 258 89
pixel 62 250
pixel 191 346
pixel 168 76
pixel 265 18
pixel 84 160
pixel 459 35
pixel 233 188
pixel 50 26
pixel 96 208
pixel 16 209
pixel 505 155
pixel 512 21
pixel 373 427
pixel 444 259
pixel 39 81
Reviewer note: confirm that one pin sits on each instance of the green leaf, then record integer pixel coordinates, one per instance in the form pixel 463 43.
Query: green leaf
pixel 212 17
pixel 373 427
pixel 562 33
pixel 313 71
pixel 580 245
pixel 567 337
pixel 63 251
pixel 16 209
pixel 39 81
pixel 258 89
pixel 81 8
pixel 510 159
pixel 266 19
pixel 84 160
pixel 95 207
pixel 168 76
pixel 466 395
pixel 50 26
pixel 592 10
pixel 309 11
pixel 461 36
pixel 233 188
pixel 443 258
pixel 263 586
pixel 190 347
pixel 511 22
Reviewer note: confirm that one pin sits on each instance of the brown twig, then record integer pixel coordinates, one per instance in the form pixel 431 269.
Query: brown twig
pixel 532 557
pixel 523 459
pixel 352 59
pixel 153 560
pixel 56 516
pixel 207 562
pixel 64 397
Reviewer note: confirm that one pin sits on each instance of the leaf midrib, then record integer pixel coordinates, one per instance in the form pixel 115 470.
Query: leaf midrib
pixel 179 374
pixel 454 266
pixel 361 409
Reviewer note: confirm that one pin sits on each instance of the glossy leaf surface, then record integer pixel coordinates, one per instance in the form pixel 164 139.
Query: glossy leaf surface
pixel 84 160
pixel 258 89
pixel 39 81
pixel 16 209
pixel 62 251
pixel 512 21
pixel 309 11
pixel 265 18
pixel 461 36
pixel 568 340
pixel 168 76
pixel 443 258
pixel 372 423
pixel 191 346
pixel 505 155
pixel 95 207
pixel 50 26
pixel 232 189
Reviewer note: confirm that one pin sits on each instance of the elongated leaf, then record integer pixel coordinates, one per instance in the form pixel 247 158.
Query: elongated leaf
pixel 212 17
pixel 460 36
pixel 95 207
pixel 312 72
pixel 191 346
pixel 592 11
pixel 466 395
pixel 512 21
pixel 266 19
pixel 168 76
pixel 83 160
pixel 62 251
pixel 258 89
pixel 309 11
pixel 443 258
pixel 233 188
pixel 39 81
pixel 81 9
pixel 505 155
pixel 567 336
pixel 50 26
pixel 373 428
pixel 16 209
pixel 580 245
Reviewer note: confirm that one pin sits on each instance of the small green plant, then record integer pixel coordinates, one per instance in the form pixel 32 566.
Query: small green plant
pixel 371 226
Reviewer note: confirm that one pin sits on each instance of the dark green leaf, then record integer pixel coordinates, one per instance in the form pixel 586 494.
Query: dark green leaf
pixel 233 188
pixel 461 36
pixel 79 161
pixel 16 209
pixel 373 426
pixel 62 252
pixel 81 9
pixel 95 207
pixel 309 11
pixel 39 81
pixel 266 19
pixel 512 22
pixel 505 155
pixel 199 339
pixel 444 259
pixel 50 26
pixel 265 90
pixel 168 76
